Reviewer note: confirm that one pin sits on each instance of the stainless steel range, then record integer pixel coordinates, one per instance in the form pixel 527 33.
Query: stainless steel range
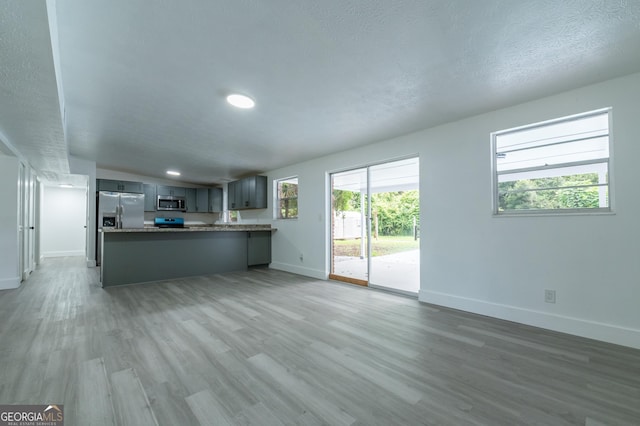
pixel 169 222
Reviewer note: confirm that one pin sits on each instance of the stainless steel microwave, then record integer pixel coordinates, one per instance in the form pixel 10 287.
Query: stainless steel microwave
pixel 168 202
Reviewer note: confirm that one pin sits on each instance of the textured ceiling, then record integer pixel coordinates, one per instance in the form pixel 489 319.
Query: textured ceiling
pixel 30 118
pixel 144 82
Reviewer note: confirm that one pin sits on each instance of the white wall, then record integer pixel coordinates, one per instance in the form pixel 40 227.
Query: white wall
pixel 500 266
pixel 88 169
pixel 9 243
pixel 63 220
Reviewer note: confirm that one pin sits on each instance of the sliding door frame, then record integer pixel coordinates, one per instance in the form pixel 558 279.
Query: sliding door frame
pixel 329 176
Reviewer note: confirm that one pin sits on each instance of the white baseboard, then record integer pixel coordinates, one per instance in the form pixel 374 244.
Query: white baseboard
pixel 63 253
pixel 300 270
pixel 579 327
pixel 91 263
pixel 9 283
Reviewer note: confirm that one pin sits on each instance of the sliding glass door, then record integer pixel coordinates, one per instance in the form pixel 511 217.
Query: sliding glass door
pixel 375 223
pixel 349 226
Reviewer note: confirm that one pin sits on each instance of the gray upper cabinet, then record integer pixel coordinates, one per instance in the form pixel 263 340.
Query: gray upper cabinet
pixel 234 195
pixel 202 196
pixel 214 198
pixel 150 197
pixel 247 193
pixel 254 192
pixel 258 248
pixel 173 191
pixel 119 186
pixel 192 203
pixel 197 200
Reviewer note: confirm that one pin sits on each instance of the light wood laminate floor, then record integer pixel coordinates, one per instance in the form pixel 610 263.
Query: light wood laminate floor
pixel 265 347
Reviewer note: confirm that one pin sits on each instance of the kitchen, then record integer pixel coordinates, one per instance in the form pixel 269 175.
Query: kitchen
pixel 185 230
pixel 149 232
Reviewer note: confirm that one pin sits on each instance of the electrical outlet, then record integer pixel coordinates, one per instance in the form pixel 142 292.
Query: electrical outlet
pixel 550 296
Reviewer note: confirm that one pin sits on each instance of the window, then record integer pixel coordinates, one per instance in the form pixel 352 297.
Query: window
pixel 286 198
pixel 556 166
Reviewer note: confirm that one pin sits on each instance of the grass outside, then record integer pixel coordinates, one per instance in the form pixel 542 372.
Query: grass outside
pixel 380 247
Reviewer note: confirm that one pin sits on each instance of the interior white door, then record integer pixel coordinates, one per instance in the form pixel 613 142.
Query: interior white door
pixel 21 221
pixel 31 220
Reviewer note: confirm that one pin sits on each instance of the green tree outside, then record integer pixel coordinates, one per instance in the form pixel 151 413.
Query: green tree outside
pixel 564 192
pixel 395 210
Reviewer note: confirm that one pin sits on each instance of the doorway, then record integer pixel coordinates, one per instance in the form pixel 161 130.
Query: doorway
pixel 375 223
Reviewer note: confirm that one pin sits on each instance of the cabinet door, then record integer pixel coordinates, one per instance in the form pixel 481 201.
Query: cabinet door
pixel 238 195
pixel 248 192
pixel 259 193
pixel 202 198
pixel 132 187
pixel 215 200
pixel 192 203
pixel 150 197
pixel 107 185
pixel 178 191
pixel 164 190
pixel 173 191
pixel 119 186
pixel 254 191
pixel 233 200
pixel 259 248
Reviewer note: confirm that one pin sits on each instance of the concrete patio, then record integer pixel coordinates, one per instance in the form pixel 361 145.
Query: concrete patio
pixel 398 271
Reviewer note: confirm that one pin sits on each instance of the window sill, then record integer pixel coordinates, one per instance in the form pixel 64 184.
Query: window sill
pixel 555 213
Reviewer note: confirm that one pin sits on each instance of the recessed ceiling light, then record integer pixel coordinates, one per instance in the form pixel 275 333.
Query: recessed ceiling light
pixel 241 101
pixel 65 185
pixel 173 173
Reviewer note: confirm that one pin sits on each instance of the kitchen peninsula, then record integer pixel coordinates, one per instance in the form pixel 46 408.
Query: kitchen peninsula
pixel 151 254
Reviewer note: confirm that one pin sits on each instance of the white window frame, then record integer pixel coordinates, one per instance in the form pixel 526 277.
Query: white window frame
pixel 537 212
pixel 276 198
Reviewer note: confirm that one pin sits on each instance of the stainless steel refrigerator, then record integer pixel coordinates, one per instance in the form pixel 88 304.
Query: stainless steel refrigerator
pixel 118 210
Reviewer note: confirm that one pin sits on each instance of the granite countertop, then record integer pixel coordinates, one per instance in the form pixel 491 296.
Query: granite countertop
pixel 197 228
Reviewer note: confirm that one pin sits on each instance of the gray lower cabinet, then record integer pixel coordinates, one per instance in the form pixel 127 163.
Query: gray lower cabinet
pixel 136 257
pixel 214 198
pixel 119 186
pixel 150 196
pixel 258 248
